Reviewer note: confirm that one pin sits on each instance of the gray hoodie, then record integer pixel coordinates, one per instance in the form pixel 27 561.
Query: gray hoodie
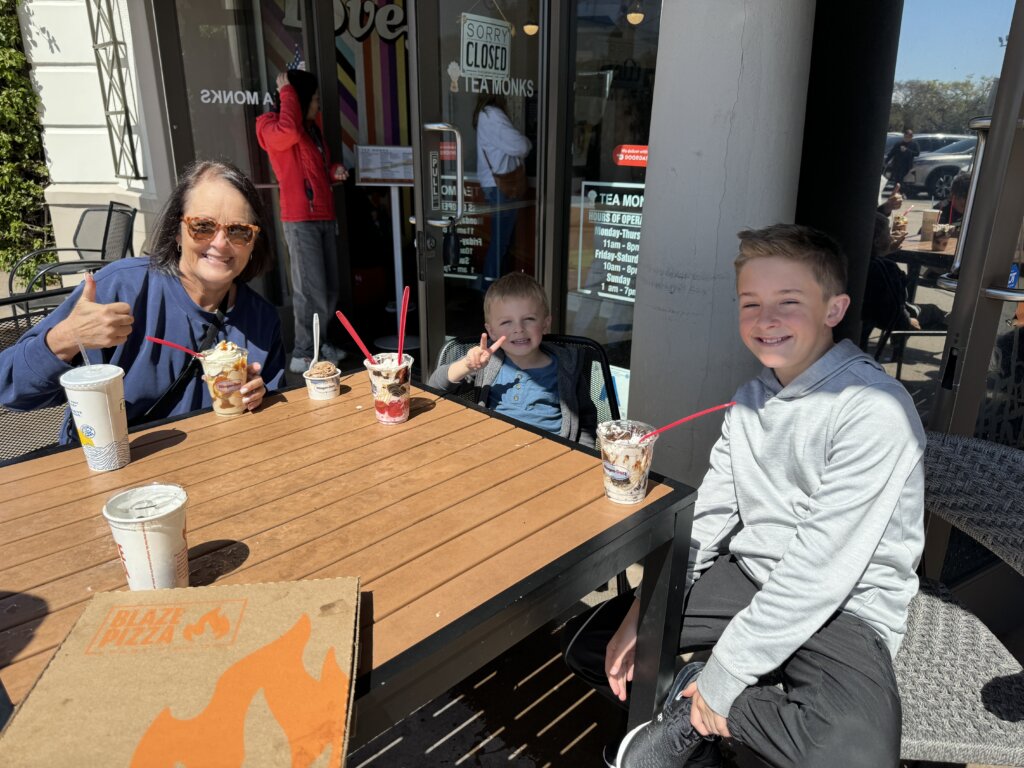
pixel 817 489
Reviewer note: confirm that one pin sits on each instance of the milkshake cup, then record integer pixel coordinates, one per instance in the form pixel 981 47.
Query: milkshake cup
pixel 96 397
pixel 323 381
pixel 148 525
pixel 627 461
pixel 390 384
pixel 225 366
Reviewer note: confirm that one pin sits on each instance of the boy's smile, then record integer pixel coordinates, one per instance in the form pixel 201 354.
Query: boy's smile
pixel 524 322
pixel 785 319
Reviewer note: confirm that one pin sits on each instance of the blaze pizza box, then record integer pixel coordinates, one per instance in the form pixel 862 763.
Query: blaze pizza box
pixel 233 675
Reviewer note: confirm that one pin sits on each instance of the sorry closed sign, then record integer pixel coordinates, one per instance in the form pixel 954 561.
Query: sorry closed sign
pixel 486 47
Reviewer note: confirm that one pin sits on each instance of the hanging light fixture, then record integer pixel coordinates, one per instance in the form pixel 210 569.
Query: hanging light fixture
pixel 635 12
pixel 531 27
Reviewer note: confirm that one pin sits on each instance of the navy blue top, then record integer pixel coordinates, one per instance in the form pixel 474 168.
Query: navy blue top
pixel 30 372
pixel 528 395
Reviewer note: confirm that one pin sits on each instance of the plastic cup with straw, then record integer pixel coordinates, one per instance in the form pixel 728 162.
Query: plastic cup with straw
pixel 95 395
pixel 389 379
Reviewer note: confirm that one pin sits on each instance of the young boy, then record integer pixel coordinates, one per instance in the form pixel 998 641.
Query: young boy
pixel 807 532
pixel 519 375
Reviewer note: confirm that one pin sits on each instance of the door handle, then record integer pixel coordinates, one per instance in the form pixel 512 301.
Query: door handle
pixel 459 181
pixel 1012 295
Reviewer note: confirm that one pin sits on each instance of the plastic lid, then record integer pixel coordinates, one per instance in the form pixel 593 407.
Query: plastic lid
pixel 89 376
pixel 146 502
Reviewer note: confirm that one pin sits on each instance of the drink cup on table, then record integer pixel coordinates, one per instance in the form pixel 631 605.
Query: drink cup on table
pixel 96 397
pixel 226 369
pixel 928 221
pixel 148 525
pixel 627 459
pixel 323 381
pixel 390 384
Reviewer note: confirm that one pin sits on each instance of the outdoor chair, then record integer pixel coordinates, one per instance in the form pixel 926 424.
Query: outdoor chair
pixel 962 690
pixel 25 431
pixel 102 235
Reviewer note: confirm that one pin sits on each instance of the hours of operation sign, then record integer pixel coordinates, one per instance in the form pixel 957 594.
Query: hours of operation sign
pixel 486 47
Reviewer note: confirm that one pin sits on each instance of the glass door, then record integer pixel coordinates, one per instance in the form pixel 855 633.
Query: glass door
pixel 476 116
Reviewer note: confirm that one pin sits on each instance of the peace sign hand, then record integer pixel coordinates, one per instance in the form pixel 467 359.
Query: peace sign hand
pixel 475 359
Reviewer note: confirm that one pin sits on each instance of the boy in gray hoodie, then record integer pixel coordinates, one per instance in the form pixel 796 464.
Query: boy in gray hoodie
pixel 807 532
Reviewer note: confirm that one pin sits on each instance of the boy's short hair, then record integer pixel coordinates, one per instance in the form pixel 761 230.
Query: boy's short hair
pixel 515 285
pixel 960 185
pixel 801 244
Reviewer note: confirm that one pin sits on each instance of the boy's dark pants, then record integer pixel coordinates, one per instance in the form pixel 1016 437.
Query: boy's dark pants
pixel 839 705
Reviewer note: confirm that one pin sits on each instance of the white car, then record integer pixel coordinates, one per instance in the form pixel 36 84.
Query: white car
pixel 933 172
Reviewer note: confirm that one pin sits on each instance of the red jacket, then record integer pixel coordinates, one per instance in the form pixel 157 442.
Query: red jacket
pixel 302 171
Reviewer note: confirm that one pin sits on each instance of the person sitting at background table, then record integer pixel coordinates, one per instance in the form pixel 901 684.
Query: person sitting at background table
pixel 190 290
pixel 951 210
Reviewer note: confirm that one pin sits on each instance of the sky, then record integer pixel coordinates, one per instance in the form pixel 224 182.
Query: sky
pixel 952 39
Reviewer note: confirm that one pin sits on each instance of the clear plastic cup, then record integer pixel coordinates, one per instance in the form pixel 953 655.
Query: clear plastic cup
pixel 148 525
pixel 226 369
pixel 627 461
pixel 391 386
pixel 96 397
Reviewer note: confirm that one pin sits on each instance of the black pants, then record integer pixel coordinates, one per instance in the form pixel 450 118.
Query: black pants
pixel 838 706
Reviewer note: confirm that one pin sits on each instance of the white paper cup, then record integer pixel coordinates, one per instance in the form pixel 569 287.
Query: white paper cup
pixel 323 387
pixel 225 376
pixel 148 525
pixel 928 221
pixel 390 384
pixel 627 462
pixel 96 396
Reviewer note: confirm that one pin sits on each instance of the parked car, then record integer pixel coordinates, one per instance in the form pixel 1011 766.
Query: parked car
pixel 933 142
pixel 933 172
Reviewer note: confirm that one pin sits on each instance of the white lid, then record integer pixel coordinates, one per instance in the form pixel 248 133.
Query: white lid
pixel 147 502
pixel 90 376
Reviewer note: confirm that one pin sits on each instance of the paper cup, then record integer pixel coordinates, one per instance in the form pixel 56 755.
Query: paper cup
pixel 148 524
pixel 96 396
pixel 323 388
pixel 627 461
pixel 928 221
pixel 390 384
pixel 225 375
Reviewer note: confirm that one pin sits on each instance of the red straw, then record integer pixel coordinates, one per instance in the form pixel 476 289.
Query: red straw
pixel 685 419
pixel 186 350
pixel 401 323
pixel 355 337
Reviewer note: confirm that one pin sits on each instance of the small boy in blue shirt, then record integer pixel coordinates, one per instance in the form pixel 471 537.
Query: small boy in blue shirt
pixel 518 374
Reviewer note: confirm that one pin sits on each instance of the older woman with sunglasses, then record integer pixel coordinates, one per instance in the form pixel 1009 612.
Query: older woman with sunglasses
pixel 191 290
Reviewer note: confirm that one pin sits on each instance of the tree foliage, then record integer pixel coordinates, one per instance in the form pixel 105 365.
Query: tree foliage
pixel 931 106
pixel 23 173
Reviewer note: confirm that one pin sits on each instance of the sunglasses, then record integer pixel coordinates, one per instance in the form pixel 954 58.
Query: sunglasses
pixel 203 228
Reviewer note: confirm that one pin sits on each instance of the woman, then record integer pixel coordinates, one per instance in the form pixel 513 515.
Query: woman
pixel 292 138
pixel 191 290
pixel 500 149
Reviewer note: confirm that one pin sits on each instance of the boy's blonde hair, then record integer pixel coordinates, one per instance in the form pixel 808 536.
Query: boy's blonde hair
pixel 801 244
pixel 515 285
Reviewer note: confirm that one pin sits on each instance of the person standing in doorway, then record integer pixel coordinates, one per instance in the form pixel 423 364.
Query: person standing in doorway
pixel 500 152
pixel 291 135
pixel 900 159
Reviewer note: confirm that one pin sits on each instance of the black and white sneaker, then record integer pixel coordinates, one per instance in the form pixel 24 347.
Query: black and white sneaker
pixel 669 741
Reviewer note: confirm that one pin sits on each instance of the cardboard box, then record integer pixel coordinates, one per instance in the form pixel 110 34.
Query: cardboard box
pixel 254 675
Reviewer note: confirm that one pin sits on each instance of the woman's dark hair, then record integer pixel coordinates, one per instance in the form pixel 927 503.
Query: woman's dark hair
pixel 164 250
pixel 485 100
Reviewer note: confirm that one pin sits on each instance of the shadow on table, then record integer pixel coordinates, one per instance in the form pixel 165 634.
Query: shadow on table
pixel 212 559
pixel 16 637
pixel 365 640
pixel 154 442
pixel 419 405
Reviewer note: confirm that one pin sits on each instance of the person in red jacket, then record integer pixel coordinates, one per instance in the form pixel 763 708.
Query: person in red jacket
pixel 291 135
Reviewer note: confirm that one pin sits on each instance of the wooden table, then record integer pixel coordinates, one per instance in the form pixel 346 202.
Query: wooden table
pixel 467 531
pixel 918 255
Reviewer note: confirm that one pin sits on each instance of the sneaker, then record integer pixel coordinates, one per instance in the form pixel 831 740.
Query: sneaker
pixel 332 353
pixel 667 741
pixel 299 364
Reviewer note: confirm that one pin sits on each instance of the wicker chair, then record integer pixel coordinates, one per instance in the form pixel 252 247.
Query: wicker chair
pixel 962 690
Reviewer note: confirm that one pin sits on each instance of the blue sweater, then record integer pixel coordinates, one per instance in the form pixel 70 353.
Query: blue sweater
pixel 30 372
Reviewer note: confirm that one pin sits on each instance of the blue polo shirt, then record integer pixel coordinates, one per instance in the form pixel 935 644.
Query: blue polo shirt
pixel 530 396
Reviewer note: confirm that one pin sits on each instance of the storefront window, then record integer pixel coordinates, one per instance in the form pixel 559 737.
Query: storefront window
pixel 614 90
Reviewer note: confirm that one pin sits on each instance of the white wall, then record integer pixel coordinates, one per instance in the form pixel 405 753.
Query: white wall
pixel 726 134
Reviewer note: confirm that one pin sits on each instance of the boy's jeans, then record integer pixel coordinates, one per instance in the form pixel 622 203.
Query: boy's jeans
pixel 314 270
pixel 838 706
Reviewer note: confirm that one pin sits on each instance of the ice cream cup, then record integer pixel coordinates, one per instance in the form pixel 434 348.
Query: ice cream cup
pixel 627 461
pixel 226 372
pixel 148 525
pixel 323 387
pixel 940 237
pixel 390 384
pixel 96 397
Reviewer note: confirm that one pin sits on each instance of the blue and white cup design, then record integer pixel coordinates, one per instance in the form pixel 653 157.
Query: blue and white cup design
pixel 96 398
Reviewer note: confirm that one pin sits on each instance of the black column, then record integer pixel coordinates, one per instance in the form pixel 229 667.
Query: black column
pixel 849 93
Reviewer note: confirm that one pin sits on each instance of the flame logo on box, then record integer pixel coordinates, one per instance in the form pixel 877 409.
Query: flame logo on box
pixel 311 712
pixel 218 624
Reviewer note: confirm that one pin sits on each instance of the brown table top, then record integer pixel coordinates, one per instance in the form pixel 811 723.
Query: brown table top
pixel 435 516
pixel 914 245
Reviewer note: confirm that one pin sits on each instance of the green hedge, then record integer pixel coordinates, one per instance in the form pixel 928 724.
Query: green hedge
pixel 23 173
